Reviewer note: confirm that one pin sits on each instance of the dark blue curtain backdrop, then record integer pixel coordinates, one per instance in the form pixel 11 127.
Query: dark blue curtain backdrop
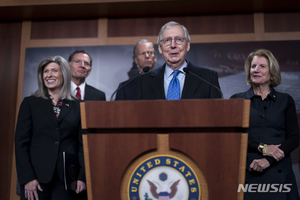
pixel 111 64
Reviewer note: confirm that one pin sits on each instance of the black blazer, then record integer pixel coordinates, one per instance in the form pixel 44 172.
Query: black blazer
pixel 151 85
pixel 93 94
pixel 272 121
pixel 40 139
pixel 126 92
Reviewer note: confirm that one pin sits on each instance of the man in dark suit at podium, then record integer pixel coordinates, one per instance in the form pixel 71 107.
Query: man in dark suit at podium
pixel 80 63
pixel 144 56
pixel 189 82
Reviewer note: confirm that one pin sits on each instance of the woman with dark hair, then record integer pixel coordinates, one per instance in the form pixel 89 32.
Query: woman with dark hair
pixel 273 131
pixel 49 124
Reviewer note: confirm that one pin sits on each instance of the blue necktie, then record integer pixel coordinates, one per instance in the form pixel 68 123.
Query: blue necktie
pixel 174 87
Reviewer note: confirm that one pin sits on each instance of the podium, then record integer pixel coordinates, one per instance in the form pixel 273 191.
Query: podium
pixel 206 134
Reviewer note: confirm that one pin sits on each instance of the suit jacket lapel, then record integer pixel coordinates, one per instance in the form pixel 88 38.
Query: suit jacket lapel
pixel 87 93
pixel 66 107
pixel 191 84
pixel 47 108
pixel 157 83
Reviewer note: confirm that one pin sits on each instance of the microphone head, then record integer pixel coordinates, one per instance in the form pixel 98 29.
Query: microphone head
pixel 146 69
pixel 186 70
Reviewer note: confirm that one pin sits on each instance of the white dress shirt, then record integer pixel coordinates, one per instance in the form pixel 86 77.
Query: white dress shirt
pixel 81 87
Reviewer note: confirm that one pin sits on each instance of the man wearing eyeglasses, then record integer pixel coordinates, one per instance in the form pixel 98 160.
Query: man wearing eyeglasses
pixel 144 56
pixel 80 63
pixel 170 81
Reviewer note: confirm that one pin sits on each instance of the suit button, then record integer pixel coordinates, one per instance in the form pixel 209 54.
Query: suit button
pixel 262 116
pixel 57 129
pixel 56 143
pixel 279 171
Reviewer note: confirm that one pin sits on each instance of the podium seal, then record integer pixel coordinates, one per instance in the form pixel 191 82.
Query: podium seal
pixel 163 177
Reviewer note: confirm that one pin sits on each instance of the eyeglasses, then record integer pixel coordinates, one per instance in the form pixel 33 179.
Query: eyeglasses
pixel 150 53
pixel 86 64
pixel 168 41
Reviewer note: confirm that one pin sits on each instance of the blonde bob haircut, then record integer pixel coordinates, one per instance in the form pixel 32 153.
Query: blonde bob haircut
pixel 273 66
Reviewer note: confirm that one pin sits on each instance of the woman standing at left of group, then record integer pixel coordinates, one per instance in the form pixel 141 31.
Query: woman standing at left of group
pixel 49 124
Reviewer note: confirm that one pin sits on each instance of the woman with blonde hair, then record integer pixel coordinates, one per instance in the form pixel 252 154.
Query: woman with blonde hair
pixel 273 131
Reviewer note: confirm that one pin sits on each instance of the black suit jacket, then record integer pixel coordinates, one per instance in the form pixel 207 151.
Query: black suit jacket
pixel 150 86
pixel 93 94
pixel 40 139
pixel 126 92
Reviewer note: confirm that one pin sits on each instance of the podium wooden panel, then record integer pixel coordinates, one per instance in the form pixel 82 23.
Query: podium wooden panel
pixel 206 131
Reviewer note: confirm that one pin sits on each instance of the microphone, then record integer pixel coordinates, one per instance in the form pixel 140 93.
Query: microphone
pixel 186 70
pixel 145 69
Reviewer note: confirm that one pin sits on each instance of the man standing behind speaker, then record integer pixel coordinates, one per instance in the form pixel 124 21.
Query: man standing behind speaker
pixel 80 63
pixel 170 81
pixel 144 56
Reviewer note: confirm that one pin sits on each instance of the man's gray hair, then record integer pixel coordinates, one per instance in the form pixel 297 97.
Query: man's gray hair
pixel 169 25
pixel 138 43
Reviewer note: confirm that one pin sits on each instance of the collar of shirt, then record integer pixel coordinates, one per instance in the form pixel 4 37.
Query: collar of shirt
pixel 168 75
pixel 250 94
pixel 81 87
